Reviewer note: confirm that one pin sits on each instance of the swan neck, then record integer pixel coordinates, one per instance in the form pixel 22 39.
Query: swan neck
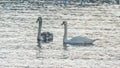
pixel 39 30
pixel 65 32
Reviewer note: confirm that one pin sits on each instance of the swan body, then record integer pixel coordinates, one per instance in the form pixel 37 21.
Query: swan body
pixel 79 40
pixel 75 40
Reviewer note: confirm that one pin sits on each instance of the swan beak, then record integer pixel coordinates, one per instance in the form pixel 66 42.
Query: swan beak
pixel 37 21
pixel 62 23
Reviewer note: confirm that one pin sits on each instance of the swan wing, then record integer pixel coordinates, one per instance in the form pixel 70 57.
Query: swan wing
pixel 80 39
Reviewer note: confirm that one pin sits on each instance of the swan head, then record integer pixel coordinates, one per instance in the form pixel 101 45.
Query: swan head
pixel 64 23
pixel 39 19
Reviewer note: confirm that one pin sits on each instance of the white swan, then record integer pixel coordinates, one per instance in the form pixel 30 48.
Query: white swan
pixel 75 40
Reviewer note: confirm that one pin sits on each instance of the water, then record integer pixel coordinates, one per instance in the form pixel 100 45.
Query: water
pixel 18 34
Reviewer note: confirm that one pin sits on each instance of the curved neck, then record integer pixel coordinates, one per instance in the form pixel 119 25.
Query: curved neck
pixel 65 32
pixel 39 29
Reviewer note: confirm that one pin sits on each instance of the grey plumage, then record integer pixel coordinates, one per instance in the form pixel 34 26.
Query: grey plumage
pixel 43 37
pixel 39 38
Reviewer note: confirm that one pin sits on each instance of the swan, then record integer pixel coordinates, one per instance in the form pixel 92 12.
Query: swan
pixel 43 37
pixel 39 37
pixel 75 40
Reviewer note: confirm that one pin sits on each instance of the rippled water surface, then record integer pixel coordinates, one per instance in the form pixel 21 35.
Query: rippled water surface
pixel 18 34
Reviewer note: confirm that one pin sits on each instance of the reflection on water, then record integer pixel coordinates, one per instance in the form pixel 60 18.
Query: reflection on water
pixel 65 46
pixel 64 53
pixel 39 53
